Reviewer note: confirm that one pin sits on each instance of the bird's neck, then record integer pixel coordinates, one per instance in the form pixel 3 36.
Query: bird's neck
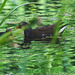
pixel 27 32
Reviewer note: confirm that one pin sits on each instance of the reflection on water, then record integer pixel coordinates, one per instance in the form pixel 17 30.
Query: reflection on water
pixel 41 56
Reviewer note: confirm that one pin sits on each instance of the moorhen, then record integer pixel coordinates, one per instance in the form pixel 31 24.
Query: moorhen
pixel 43 33
pixel 1 33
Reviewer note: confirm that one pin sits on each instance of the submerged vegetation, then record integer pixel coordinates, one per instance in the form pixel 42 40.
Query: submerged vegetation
pixel 42 58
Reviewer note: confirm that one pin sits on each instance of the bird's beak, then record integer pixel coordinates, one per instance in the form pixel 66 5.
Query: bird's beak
pixel 17 27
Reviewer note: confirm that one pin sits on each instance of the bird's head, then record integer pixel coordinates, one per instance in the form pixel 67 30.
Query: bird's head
pixel 21 25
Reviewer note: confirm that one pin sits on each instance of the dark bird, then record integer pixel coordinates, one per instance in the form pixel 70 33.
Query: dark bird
pixel 1 33
pixel 44 33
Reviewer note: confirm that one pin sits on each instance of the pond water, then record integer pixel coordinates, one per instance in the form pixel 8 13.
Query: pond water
pixel 42 58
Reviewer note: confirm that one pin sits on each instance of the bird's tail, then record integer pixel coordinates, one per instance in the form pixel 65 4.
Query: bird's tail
pixel 62 28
